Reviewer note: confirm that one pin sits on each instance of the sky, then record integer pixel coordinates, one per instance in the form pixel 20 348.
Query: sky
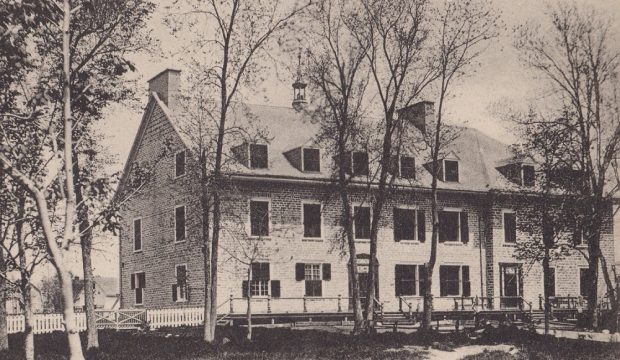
pixel 498 79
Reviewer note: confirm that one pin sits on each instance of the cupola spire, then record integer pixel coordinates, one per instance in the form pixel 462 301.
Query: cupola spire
pixel 299 87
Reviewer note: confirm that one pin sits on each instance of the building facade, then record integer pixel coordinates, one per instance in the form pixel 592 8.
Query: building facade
pixel 281 220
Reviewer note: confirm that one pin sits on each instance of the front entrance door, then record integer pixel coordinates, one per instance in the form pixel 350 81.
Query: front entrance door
pixel 363 266
pixel 511 285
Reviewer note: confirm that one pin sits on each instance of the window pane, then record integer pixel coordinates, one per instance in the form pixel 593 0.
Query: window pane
pixel 312 161
pixel 137 234
pixel 529 175
pixel 407 167
pixel 360 163
pixel 449 280
pixel 448 226
pixel 138 296
pixel 180 163
pixel 510 227
pixel 258 156
pixel 312 220
pixel 362 222
pixel 404 224
pixel 179 215
pixel 452 170
pixel 259 218
pixel 259 288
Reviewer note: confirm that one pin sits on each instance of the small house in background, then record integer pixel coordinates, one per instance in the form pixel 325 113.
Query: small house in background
pixel 106 293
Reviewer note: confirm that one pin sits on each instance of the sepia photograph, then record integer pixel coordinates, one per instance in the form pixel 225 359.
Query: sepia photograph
pixel 310 179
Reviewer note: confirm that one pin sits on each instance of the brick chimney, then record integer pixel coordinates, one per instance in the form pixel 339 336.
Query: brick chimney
pixel 166 85
pixel 419 114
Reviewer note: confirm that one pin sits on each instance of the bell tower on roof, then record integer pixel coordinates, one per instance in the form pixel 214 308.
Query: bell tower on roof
pixel 299 88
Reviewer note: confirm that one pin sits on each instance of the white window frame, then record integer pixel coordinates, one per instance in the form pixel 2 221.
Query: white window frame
pixel 458 167
pixel 353 206
pixel 133 234
pixel 310 202
pixel 249 217
pixel 303 165
pixel 175 225
pixel 267 281
pixel 136 288
pixel 176 276
pixel 504 242
pixel 459 241
pixel 416 240
pixel 184 165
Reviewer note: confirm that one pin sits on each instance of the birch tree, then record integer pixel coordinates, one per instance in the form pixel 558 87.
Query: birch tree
pixel 238 45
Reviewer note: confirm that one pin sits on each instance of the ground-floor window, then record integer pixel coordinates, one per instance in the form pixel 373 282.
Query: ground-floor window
pixel 179 289
pixel 138 284
pixel 259 280
pixel 313 276
pixel 454 280
pixel 409 280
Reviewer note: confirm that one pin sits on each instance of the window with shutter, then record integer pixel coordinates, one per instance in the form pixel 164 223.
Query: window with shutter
pixel 180 287
pixel 312 160
pixel 259 286
pixel 179 223
pixel 510 228
pixel 179 163
pixel 138 283
pixel 137 235
pixel 362 222
pixel 449 281
pixel 449 227
pixel 312 220
pixel 259 218
pixel 404 224
pixel 258 156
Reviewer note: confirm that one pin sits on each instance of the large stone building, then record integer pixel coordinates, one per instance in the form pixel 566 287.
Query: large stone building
pixel 281 205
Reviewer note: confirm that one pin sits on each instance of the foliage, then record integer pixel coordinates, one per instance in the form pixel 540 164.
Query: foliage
pixel 51 293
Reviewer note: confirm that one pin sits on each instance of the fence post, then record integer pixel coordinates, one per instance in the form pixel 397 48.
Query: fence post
pixel 269 304
pixel 305 307
pixel 540 302
pixel 339 303
pixel 231 303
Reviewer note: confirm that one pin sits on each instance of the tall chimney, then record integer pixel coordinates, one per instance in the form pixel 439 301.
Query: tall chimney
pixel 166 85
pixel 419 114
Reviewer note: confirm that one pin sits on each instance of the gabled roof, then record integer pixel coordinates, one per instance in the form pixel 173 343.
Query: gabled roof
pixel 479 155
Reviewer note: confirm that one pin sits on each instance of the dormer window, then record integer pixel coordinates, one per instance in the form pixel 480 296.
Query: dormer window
pixel 528 175
pixel 311 160
pixel 360 163
pixel 407 167
pixel 451 170
pixel 258 156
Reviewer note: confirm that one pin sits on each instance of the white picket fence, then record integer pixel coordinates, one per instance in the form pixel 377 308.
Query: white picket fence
pixel 175 317
pixel 43 323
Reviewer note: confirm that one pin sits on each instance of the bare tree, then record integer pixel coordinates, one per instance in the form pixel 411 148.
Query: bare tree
pixel 336 69
pixel 574 53
pixel 240 38
pixel 462 31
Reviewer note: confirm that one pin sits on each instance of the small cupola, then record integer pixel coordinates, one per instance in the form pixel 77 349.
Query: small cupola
pixel 299 88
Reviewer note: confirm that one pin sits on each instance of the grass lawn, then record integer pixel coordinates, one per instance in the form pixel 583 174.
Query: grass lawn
pixel 286 343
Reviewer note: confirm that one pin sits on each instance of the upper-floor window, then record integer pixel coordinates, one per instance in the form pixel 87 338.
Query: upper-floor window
pixel 407 167
pixel 528 175
pixel 179 223
pixel 510 227
pixel 360 163
pixel 259 218
pixel 312 160
pixel 454 281
pixel 179 289
pixel 453 226
pixel 409 224
pixel 362 222
pixel 258 156
pixel 179 163
pixel 137 235
pixel 312 220
pixel 451 170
